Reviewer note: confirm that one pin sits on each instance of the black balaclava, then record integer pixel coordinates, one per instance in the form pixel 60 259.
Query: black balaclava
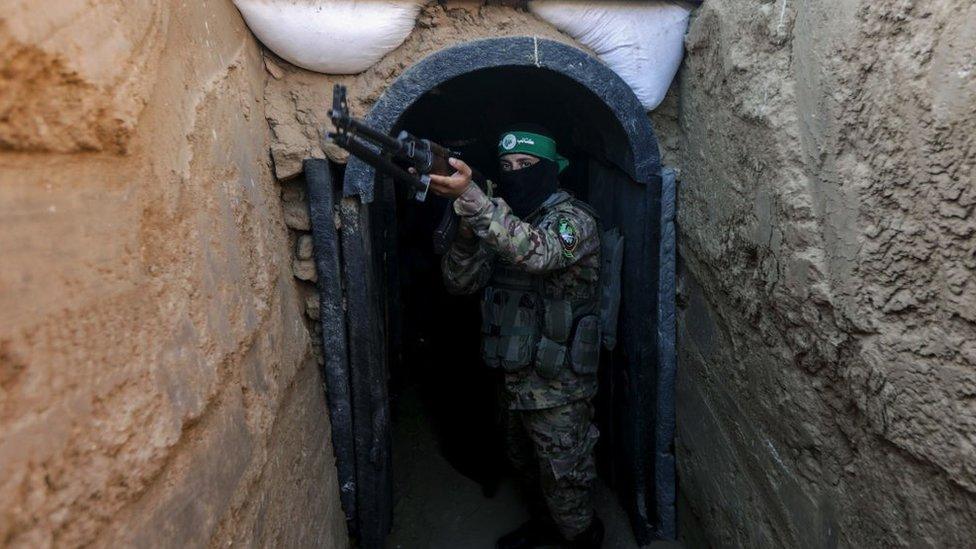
pixel 526 189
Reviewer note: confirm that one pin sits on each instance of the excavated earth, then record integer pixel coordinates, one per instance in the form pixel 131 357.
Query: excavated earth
pixel 827 368
pixel 157 385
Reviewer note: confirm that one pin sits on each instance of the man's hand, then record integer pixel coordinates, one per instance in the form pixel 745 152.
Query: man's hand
pixel 453 185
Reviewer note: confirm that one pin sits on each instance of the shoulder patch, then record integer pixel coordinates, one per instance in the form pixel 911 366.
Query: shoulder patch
pixel 568 234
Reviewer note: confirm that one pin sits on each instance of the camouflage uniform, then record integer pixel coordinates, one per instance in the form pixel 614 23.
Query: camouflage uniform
pixel 540 324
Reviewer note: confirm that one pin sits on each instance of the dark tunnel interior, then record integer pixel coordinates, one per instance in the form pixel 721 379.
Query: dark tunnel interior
pixel 433 337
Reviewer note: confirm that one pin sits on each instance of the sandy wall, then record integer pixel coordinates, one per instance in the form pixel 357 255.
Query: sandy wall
pixel 157 384
pixel 827 356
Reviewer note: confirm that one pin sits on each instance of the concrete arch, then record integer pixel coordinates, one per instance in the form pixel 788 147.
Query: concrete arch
pixel 642 161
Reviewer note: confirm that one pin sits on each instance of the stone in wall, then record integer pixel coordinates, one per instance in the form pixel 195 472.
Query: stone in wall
pixel 312 307
pixel 304 269
pixel 296 215
pixel 303 249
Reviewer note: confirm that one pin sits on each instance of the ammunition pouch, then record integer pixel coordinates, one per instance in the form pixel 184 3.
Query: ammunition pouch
pixel 584 355
pixel 509 327
pixel 551 351
pixel 520 328
pixel 550 358
pixel 557 322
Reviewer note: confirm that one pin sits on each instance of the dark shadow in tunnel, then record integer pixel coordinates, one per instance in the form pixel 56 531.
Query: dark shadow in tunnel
pixel 438 355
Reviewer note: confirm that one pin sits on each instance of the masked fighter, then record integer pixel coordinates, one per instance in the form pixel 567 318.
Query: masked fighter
pixel 534 250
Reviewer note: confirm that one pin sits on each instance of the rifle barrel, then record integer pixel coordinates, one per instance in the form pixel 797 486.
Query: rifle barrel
pixel 358 127
pixel 381 163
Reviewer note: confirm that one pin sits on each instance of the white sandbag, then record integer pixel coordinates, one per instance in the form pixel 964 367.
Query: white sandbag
pixel 331 36
pixel 643 42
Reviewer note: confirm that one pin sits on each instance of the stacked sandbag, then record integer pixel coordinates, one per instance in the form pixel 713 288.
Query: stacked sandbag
pixel 642 41
pixel 331 36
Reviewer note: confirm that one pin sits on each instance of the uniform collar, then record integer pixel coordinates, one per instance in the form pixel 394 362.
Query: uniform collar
pixel 554 199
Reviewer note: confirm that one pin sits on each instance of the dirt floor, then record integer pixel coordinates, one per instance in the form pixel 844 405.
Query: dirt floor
pixel 439 508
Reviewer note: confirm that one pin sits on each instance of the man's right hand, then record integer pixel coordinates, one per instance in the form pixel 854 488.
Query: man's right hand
pixel 451 186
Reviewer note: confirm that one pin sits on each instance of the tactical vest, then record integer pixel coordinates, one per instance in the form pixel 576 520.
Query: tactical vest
pixel 522 326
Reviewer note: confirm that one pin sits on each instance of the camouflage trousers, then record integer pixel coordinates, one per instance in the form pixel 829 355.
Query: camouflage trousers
pixel 552 449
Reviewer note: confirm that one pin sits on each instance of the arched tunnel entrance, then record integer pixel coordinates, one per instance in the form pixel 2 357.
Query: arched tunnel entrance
pixel 403 340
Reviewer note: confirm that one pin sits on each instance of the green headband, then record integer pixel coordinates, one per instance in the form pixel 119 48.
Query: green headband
pixel 531 143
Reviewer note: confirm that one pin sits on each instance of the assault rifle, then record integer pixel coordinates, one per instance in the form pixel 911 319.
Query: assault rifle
pixel 392 155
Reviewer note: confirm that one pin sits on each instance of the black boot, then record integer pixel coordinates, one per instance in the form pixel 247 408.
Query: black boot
pixel 591 538
pixel 534 533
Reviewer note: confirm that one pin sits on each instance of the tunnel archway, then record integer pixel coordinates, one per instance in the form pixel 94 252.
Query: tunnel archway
pixel 641 159
pixel 623 181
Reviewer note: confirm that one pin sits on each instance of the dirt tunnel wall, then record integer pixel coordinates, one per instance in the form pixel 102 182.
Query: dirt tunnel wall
pixel 157 382
pixel 826 363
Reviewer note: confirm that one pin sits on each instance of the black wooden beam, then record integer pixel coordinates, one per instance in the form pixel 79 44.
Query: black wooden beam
pixel 328 259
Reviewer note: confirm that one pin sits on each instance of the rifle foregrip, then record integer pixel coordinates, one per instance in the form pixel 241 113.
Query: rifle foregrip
pixel 446 230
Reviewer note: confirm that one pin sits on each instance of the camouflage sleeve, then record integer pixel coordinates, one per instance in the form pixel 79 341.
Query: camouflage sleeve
pixel 466 266
pixel 564 237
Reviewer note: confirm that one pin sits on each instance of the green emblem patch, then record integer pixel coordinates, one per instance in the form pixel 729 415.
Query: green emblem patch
pixel 568 235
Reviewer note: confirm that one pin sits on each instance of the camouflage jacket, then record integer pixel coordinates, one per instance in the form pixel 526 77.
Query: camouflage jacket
pixel 560 242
